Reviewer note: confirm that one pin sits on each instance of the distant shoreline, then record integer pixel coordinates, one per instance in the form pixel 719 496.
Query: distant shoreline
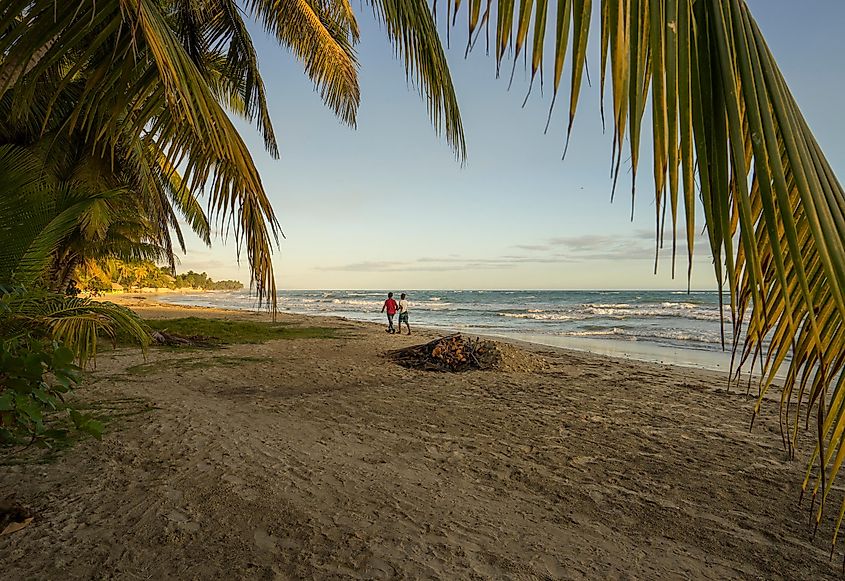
pixel 157 291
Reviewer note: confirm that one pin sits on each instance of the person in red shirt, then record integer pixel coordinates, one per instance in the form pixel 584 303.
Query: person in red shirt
pixel 390 306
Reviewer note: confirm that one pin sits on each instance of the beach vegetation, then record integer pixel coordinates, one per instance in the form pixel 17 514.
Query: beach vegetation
pixel 109 274
pixel 46 340
pixel 74 322
pixel 35 375
pixel 233 332
pixel 164 366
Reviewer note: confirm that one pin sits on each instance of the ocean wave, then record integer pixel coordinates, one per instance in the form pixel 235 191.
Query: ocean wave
pixel 541 316
pixel 639 334
pixel 683 310
pixel 615 311
pixel 597 333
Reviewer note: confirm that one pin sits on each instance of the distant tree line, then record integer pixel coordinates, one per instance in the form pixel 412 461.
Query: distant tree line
pixel 112 274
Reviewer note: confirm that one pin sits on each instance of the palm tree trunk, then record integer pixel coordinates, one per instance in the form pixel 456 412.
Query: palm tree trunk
pixel 10 73
pixel 61 274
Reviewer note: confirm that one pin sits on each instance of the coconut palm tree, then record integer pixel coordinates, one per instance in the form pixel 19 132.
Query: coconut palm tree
pixel 50 229
pixel 168 71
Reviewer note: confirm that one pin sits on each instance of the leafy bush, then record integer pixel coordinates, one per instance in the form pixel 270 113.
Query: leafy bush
pixel 43 336
pixel 73 321
pixel 34 377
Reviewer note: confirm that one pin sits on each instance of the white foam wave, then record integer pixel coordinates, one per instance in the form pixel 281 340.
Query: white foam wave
pixel 676 335
pixel 540 316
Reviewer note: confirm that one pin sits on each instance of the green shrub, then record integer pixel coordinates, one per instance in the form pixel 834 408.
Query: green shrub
pixel 35 375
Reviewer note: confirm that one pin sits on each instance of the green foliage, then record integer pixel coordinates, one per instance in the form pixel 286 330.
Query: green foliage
pixel 192 279
pixel 35 375
pixel 102 275
pixel 44 336
pixel 73 321
pixel 234 332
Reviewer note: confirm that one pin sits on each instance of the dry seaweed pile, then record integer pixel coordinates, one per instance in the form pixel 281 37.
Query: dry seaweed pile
pixel 458 353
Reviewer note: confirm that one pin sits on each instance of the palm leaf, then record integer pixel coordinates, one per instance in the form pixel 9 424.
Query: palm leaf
pixel 774 210
pixel 139 80
pixel 411 28
pixel 76 322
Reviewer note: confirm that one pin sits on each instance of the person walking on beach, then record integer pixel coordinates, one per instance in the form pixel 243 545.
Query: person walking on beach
pixel 390 306
pixel 403 313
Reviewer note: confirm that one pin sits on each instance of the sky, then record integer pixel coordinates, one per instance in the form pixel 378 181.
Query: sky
pixel 387 205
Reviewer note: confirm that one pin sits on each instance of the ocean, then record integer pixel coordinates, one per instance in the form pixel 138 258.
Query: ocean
pixel 663 326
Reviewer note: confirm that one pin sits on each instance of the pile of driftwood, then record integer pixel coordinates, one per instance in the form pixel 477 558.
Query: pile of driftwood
pixel 452 353
pixel 459 353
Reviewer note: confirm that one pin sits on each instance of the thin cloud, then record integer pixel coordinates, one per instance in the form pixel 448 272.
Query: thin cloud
pixel 366 266
pixel 444 264
pixel 638 245
pixel 559 250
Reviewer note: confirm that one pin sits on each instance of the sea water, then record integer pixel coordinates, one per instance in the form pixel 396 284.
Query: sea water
pixel 664 326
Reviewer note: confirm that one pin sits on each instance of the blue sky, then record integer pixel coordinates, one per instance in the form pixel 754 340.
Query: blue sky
pixel 386 204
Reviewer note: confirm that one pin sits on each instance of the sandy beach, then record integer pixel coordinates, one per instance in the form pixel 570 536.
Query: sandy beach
pixel 321 459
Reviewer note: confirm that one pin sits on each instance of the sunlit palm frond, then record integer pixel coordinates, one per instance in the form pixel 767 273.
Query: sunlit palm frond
pixel 321 35
pixel 76 322
pixel 239 69
pixel 183 199
pixel 725 128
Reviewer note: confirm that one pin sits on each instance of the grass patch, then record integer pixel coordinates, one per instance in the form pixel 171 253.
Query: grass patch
pixel 227 332
pixel 189 363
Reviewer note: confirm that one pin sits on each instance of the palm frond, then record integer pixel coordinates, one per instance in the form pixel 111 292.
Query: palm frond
pixel 722 115
pixel 21 205
pixel 76 322
pixel 139 80
pixel 411 28
pixel 321 35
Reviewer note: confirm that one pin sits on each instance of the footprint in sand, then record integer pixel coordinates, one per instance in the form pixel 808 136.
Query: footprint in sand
pixel 264 541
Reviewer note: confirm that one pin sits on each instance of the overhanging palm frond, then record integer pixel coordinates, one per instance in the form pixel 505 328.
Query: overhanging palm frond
pixel 774 211
pixel 76 322
pixel 410 26
pixel 320 34
pixel 21 205
pixel 38 215
pixel 164 71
